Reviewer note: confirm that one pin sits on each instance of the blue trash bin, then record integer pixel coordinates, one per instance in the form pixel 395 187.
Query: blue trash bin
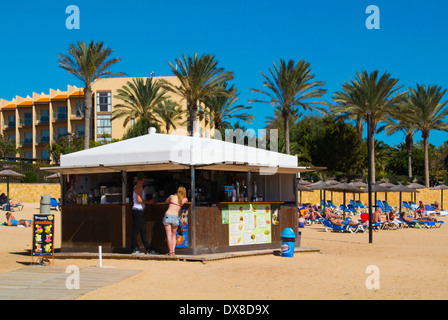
pixel 288 243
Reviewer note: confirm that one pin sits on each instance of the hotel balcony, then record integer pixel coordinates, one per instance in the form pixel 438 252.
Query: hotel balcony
pixel 26 142
pixel 42 120
pixel 77 114
pixel 25 122
pixel 9 125
pixel 58 116
pixel 42 140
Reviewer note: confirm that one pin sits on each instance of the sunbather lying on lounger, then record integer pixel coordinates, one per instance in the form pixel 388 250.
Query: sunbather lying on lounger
pixel 12 222
pixel 339 222
pixel 409 218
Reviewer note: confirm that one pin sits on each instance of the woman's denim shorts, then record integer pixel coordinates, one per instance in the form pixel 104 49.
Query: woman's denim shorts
pixel 170 220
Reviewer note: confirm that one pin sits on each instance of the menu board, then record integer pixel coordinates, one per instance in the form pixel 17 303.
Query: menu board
pixel 43 235
pixel 249 224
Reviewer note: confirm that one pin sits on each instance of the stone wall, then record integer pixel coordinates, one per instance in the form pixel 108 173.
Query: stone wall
pixel 31 192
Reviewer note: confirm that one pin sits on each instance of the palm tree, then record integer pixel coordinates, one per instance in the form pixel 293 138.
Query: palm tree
pixel 139 97
pixel 221 109
pixel 289 87
pixel 425 108
pixel 276 122
pixel 400 123
pixel 169 113
pixel 88 63
pixel 200 78
pixel 368 94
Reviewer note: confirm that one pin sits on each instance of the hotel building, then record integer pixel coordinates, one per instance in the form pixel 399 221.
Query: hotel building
pixel 34 122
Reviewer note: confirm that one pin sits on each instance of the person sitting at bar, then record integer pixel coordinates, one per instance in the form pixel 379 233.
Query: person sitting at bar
pixel 171 218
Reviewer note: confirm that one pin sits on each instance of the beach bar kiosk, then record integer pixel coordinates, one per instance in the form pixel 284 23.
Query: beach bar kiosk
pixel 240 197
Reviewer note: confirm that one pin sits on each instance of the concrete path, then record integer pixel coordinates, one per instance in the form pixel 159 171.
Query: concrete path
pixel 49 283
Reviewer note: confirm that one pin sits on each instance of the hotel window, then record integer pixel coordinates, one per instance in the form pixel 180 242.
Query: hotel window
pixel 11 121
pixel 28 154
pixel 44 116
pixel 28 121
pixel 104 102
pixel 62 132
pixel 45 155
pixel 28 140
pixel 61 114
pixel 44 136
pixel 80 110
pixel 79 130
pixel 104 125
pixel 12 137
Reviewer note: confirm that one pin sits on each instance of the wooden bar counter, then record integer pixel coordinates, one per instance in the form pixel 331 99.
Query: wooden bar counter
pixel 85 227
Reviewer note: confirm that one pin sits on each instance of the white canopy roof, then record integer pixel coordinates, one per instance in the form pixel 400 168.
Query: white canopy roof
pixel 154 152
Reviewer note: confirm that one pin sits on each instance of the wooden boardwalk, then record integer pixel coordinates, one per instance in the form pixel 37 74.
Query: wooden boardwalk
pixel 198 258
pixel 49 282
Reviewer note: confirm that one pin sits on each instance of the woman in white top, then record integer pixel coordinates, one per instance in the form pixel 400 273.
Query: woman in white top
pixel 138 214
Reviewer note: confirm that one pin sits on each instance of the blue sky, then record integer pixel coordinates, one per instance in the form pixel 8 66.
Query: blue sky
pixel 246 36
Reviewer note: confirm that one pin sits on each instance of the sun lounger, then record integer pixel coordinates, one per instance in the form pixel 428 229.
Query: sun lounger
pixel 18 206
pixel 330 204
pixel 429 209
pixel 12 207
pixel 434 224
pixel 310 222
pixel 375 225
pixel 387 206
pixel 54 204
pixel 406 205
pixel 380 205
pixel 352 209
pixel 359 204
pixel 420 224
pixel 344 228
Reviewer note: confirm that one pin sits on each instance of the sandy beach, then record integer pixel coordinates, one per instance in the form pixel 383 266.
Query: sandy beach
pixel 412 264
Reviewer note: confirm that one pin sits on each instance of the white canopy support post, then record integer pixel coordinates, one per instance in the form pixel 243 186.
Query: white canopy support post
pixel 193 208
pixel 124 183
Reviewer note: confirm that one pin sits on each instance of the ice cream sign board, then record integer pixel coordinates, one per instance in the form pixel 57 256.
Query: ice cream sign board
pixel 249 224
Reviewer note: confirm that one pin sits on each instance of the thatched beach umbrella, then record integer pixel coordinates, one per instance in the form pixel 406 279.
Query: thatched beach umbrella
pixel 377 188
pixel 416 185
pixel 401 188
pixel 344 188
pixel 440 187
pixel 304 182
pixel 301 188
pixel 359 184
pixel 8 173
pixel 53 176
pixel 388 185
pixel 321 185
